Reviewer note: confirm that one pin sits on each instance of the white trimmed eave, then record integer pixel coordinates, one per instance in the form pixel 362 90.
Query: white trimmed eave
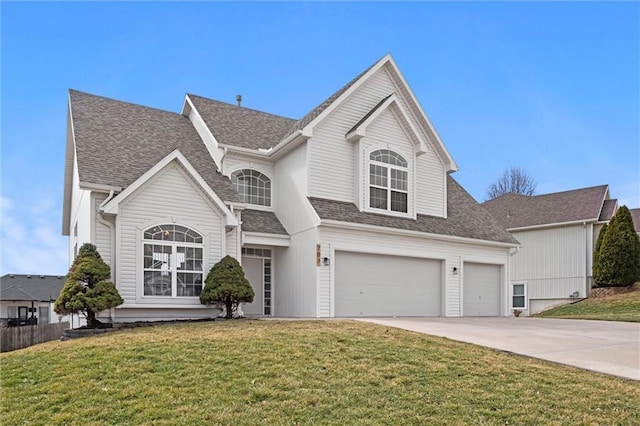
pixel 450 163
pixel 112 207
pixel 361 131
pixel 553 225
pixel 264 239
pixel 395 231
pixel 70 154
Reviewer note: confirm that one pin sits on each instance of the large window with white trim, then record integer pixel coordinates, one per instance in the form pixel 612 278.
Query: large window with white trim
pixel 388 181
pixel 254 187
pixel 172 261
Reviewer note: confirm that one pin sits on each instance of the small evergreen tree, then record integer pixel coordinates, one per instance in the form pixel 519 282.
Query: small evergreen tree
pixel 226 284
pixel 619 255
pixel 87 290
pixel 596 254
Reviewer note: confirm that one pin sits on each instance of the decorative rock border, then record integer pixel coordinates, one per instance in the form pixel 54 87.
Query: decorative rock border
pixel 612 291
pixel 77 333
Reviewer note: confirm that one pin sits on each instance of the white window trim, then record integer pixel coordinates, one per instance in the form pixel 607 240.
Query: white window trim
pixel 173 244
pixel 368 185
pixel 524 284
pixel 259 170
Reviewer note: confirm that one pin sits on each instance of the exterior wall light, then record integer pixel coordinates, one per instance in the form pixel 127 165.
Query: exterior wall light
pixel 455 270
pixel 325 261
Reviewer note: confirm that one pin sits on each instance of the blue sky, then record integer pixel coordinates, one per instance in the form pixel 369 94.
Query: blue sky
pixel 552 87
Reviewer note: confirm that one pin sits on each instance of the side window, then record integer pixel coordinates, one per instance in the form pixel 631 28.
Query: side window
pixel 388 181
pixel 254 187
pixel 519 296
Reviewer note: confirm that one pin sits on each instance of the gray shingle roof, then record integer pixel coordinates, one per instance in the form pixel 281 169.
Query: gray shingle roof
pixel 37 288
pixel 117 142
pixel 465 218
pixel 608 209
pixel 261 221
pixel 518 211
pixel 635 216
pixel 239 126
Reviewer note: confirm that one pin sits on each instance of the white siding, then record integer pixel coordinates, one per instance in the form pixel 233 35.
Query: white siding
pixel 552 261
pixel 295 270
pixel 233 162
pixel 453 253
pixel 430 185
pixel 290 192
pixel 102 237
pixel 170 196
pixel 80 214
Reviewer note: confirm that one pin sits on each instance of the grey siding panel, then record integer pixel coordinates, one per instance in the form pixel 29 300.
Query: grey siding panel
pixel 170 196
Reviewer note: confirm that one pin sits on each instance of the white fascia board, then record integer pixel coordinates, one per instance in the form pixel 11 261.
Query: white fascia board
pixel 395 231
pixel 452 164
pixel 112 206
pixel 98 187
pixel 70 155
pixel 361 130
pixel 210 142
pixel 264 239
pixel 247 152
pixel 553 225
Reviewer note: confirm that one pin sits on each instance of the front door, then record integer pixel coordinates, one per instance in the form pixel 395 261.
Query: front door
pixel 253 270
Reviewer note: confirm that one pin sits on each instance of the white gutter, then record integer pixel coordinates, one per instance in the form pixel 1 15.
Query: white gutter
pixel 396 231
pixel 552 225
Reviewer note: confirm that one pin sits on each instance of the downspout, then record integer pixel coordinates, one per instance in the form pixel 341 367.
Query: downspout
pixel 586 261
pixel 112 233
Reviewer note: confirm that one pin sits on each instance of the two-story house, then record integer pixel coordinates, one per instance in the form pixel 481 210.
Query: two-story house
pixel 349 211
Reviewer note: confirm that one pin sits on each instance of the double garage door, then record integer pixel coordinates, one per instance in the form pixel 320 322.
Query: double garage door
pixel 379 285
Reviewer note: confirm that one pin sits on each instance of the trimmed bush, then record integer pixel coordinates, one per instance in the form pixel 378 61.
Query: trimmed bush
pixel 619 254
pixel 596 253
pixel 226 284
pixel 87 290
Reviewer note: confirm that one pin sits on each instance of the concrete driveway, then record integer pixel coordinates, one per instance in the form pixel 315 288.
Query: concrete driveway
pixel 604 346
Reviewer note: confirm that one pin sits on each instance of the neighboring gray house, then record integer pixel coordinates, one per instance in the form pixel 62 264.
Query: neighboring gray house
pixel 635 216
pixel 557 232
pixel 23 297
pixel 348 211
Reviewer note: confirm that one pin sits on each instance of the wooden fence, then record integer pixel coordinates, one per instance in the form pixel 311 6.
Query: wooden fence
pixel 12 338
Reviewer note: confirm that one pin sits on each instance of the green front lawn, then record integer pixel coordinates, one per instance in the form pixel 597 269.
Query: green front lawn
pixel 252 372
pixel 621 307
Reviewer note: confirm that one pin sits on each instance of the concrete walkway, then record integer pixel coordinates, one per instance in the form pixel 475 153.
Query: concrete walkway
pixel 605 346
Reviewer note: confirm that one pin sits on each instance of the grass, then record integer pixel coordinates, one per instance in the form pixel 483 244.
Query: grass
pixel 621 307
pixel 299 372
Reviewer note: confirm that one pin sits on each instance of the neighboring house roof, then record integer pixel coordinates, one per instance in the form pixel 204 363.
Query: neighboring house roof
pixel 27 288
pixel 520 211
pixel 608 210
pixel 117 142
pixel 465 218
pixel 240 126
pixel 262 222
pixel 635 216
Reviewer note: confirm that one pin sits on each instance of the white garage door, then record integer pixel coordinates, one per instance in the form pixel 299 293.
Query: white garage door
pixel 377 285
pixel 481 294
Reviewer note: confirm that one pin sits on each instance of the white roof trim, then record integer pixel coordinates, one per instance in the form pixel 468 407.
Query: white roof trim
pixel 555 225
pixel 112 206
pixel 261 238
pixel 361 130
pixel 70 154
pixel 395 231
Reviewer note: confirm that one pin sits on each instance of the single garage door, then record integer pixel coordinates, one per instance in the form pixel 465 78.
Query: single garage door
pixel 378 285
pixel 481 293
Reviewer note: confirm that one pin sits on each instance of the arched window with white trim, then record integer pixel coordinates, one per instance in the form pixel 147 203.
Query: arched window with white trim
pixel 388 181
pixel 254 187
pixel 172 261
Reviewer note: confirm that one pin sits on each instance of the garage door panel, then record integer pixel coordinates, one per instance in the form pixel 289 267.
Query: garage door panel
pixel 379 285
pixel 481 293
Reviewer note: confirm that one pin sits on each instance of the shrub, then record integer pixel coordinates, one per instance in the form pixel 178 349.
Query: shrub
pixel 619 254
pixel 226 284
pixel 596 253
pixel 87 290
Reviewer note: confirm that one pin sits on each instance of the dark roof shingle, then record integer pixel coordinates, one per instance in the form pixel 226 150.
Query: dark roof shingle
pixel 465 218
pixel 37 288
pixel 117 142
pixel 635 216
pixel 518 211
pixel 608 209
pixel 239 126
pixel 261 221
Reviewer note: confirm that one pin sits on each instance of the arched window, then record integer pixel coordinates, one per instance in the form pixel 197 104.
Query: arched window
pixel 388 181
pixel 172 261
pixel 253 186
